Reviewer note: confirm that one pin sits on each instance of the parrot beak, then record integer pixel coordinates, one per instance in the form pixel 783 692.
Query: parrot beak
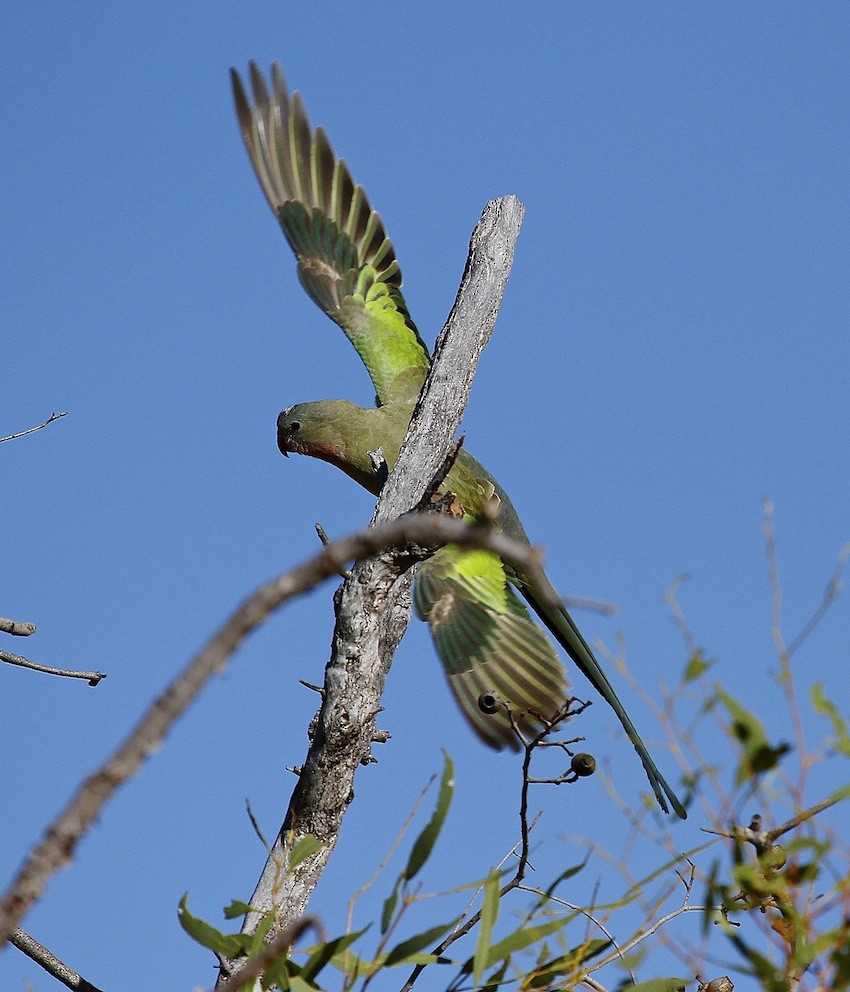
pixel 281 432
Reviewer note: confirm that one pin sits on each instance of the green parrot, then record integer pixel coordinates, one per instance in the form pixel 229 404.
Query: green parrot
pixel 483 633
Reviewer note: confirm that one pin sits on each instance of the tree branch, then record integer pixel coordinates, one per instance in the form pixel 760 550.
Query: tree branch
pixel 32 430
pixel 373 606
pixel 51 964
pixel 16 627
pixel 16 659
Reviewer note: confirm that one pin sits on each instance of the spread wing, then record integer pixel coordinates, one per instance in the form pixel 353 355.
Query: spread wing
pixel 346 262
pixel 488 643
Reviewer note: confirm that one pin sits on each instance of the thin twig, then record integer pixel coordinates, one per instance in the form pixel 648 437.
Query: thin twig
pixel 69 673
pixel 349 920
pixel 786 676
pixel 32 430
pixel 16 627
pixel 529 747
pixel 51 964
pixel 833 588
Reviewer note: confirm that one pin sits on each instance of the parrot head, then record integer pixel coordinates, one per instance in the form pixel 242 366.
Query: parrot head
pixel 332 431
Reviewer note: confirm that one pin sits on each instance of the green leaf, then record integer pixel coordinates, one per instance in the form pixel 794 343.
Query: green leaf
pixel 825 707
pixel 413 945
pixel 495 978
pixel 352 966
pixel 758 755
pixel 840 959
pixel 237 908
pixel 297 984
pixel 697 664
pixel 389 906
pixel 281 974
pixel 203 933
pixel 574 870
pixel 325 952
pixel 254 942
pixel 303 848
pixel 771 979
pixel 424 843
pixel 524 937
pixel 566 964
pixel 489 915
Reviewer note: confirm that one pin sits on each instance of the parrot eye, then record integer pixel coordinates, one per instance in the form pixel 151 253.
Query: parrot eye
pixel 295 426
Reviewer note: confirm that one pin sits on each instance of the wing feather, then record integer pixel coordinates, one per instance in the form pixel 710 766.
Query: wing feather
pixel 487 642
pixel 346 261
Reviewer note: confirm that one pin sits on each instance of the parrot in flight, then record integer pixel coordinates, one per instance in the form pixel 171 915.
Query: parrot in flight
pixel 482 630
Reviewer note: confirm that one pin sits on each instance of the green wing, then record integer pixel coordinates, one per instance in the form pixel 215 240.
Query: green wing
pixel 346 262
pixel 488 643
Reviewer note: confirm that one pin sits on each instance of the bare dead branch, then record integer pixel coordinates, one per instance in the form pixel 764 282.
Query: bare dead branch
pixel 51 964
pixel 69 673
pixel 373 606
pixel 32 430
pixel 16 627
pixel 467 330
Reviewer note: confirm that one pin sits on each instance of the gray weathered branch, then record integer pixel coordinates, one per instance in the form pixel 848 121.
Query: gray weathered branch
pixel 18 628
pixel 373 605
pixel 51 964
pixel 69 673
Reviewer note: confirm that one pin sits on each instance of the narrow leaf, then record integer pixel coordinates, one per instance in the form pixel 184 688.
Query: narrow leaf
pixel 389 906
pixel 413 945
pixel 568 873
pixel 696 666
pixel 825 707
pixel 759 756
pixel 203 933
pixel 489 915
pixel 495 978
pixel 522 938
pixel 325 952
pixel 424 843
pixel 567 963
pixel 237 908
pixel 304 847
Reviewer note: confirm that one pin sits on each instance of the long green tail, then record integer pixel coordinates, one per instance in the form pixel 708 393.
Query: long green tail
pixel 564 630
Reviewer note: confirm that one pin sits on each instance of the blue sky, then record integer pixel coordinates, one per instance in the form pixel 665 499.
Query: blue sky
pixel 673 347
